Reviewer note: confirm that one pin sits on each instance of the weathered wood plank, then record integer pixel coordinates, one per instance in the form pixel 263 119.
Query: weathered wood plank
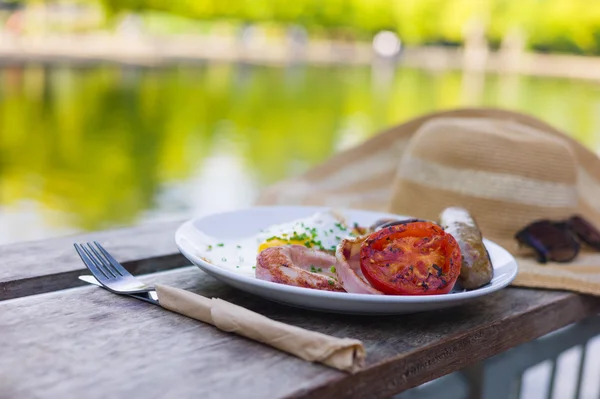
pixel 88 342
pixel 43 266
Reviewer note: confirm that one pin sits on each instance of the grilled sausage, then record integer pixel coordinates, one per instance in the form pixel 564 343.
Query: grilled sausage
pixel 476 270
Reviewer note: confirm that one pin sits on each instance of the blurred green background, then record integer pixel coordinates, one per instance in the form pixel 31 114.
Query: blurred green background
pixel 571 26
pixel 568 26
pixel 85 147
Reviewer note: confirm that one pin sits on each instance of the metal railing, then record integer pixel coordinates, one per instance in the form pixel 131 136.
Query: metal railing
pixel 561 365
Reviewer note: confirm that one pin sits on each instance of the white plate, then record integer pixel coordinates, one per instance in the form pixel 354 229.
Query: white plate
pixel 232 226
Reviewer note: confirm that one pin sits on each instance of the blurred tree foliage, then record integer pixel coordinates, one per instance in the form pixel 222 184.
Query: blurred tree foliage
pixel 548 25
pixel 100 146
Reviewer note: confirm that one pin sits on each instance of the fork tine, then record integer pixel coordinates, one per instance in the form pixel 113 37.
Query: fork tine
pixel 97 271
pixel 110 273
pixel 99 262
pixel 119 268
pixel 107 266
pixel 116 265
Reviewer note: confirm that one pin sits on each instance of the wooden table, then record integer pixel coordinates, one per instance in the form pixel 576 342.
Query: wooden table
pixel 63 339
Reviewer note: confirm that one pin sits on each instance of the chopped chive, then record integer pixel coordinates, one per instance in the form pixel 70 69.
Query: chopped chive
pixel 209 248
pixel 332 269
pixel 220 244
pixel 341 226
pixel 330 282
pixel 238 246
pixel 254 267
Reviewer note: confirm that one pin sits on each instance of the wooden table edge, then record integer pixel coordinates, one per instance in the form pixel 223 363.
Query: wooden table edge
pixel 360 383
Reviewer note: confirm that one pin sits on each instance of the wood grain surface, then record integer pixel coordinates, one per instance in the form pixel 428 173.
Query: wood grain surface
pixel 48 265
pixel 86 342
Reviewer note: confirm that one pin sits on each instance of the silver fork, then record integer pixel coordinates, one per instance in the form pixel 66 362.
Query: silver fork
pixel 111 275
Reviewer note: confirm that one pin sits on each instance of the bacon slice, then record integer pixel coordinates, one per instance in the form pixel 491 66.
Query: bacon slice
pixel 296 265
pixel 348 268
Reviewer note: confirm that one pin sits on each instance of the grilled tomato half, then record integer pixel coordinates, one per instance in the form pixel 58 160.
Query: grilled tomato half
pixel 417 258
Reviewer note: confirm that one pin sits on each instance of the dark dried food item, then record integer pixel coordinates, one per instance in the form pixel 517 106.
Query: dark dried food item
pixel 584 231
pixel 552 241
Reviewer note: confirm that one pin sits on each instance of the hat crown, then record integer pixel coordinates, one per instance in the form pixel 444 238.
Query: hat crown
pixel 495 146
pixel 507 174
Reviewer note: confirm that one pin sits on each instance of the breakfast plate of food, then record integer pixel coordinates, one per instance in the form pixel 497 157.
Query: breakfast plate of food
pixel 347 260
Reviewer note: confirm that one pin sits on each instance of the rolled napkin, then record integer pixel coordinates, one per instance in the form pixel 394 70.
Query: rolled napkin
pixel 340 353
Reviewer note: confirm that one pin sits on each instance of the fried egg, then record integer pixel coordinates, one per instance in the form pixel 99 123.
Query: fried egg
pixel 323 230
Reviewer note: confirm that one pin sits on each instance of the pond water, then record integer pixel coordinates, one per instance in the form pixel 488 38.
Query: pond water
pixel 91 148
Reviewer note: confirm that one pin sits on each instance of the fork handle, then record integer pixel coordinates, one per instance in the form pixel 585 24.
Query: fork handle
pixel 150 297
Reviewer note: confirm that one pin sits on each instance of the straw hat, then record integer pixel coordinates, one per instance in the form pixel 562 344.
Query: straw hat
pixel 505 173
pixel 507 168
